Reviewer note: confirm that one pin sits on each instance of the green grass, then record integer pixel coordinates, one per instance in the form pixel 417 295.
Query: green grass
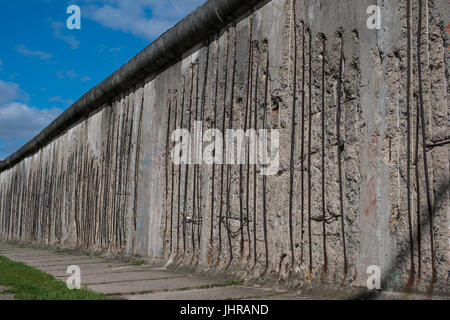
pixel 28 283
pixel 139 262
pixel 235 282
pixel 229 282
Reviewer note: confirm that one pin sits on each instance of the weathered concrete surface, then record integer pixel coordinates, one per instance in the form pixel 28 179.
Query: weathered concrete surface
pixel 129 276
pixel 150 283
pixel 101 270
pixel 108 184
pixel 101 267
pixel 219 293
pixel 143 286
pixel 61 263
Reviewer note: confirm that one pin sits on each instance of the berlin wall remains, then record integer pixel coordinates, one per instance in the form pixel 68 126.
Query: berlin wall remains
pixel 363 122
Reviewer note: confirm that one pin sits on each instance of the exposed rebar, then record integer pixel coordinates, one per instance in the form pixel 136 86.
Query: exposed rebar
pixel 408 130
pixel 424 139
pixel 324 231
pixel 293 124
pixel 339 151
pixel 309 148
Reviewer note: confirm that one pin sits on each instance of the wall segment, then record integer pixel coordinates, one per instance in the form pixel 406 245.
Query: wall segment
pixel 101 176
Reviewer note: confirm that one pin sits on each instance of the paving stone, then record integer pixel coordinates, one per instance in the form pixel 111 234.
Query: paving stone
pixel 86 267
pixel 152 285
pixel 25 253
pixel 55 259
pixel 290 296
pixel 63 263
pixel 218 293
pixel 127 276
pixel 99 271
pixel 408 296
pixel 17 249
pixel 32 255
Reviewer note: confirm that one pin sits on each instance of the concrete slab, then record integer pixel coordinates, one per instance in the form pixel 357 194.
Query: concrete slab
pixel 408 296
pixel 152 285
pixel 53 259
pixel 63 263
pixel 289 296
pixel 17 248
pixel 31 255
pixel 18 251
pixel 24 253
pixel 218 293
pixel 126 276
pixel 87 266
pixel 99 271
pixel 96 271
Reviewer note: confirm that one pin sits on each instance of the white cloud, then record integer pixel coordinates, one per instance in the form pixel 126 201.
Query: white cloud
pixel 110 51
pixel 19 122
pixel 67 74
pixel 71 75
pixel 118 49
pixel 101 48
pixel 10 91
pixel 64 102
pixel 30 53
pixel 143 18
pixel 86 79
pixel 60 30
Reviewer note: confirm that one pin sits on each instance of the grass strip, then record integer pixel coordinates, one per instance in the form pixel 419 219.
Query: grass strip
pixel 28 283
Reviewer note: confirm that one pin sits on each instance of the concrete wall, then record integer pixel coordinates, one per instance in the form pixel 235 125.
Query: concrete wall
pixel 108 183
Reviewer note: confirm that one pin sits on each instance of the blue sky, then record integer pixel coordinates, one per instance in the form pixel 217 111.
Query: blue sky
pixel 45 67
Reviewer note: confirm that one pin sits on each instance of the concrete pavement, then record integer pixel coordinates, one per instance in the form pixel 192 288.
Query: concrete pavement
pixel 125 280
